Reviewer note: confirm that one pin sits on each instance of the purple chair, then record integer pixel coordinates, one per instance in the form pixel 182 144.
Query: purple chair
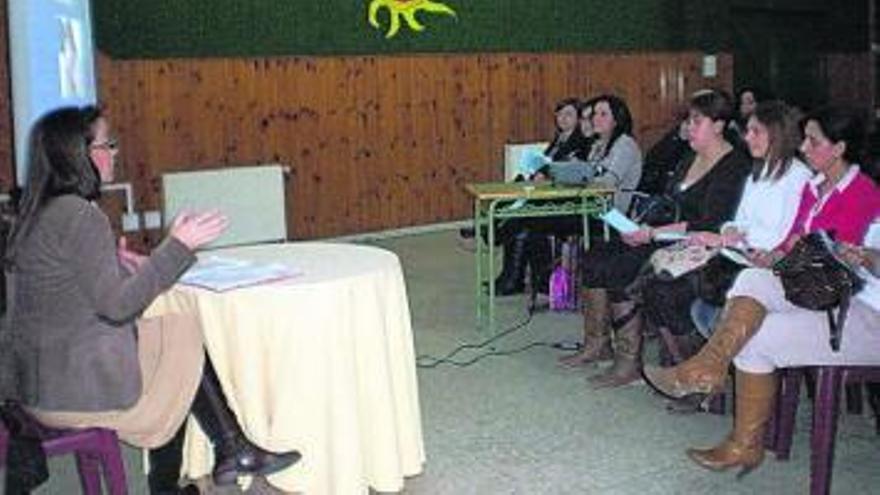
pixel 826 405
pixel 95 449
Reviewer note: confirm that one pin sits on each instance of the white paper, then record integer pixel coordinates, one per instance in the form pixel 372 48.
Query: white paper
pixel 220 273
pixel 619 222
pixel 670 236
pixel 736 256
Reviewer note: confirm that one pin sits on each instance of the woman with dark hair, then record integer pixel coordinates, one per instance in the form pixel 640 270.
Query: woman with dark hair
pixel 765 214
pixel 618 162
pixel 747 100
pixel 615 153
pixel 759 329
pixel 568 141
pixel 520 245
pixel 79 354
pixel 707 188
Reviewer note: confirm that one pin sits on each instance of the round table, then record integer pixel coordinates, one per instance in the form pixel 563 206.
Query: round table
pixel 322 362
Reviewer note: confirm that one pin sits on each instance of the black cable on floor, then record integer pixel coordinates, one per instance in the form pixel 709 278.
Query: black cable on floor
pixel 506 352
pixel 433 362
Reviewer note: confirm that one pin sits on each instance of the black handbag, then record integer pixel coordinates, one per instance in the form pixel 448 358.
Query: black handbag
pixel 655 210
pixel 815 278
pixel 715 279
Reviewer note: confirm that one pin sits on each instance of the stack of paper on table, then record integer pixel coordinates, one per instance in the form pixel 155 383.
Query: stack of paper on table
pixel 220 274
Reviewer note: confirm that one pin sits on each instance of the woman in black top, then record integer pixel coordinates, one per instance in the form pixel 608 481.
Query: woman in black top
pixel 707 186
pixel 569 141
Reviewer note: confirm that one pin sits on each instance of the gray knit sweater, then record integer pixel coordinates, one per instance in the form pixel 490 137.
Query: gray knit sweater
pixel 72 309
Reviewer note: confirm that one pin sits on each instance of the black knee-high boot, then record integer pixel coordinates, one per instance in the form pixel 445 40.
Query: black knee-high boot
pixel 511 279
pixel 165 462
pixel 234 454
pixel 539 258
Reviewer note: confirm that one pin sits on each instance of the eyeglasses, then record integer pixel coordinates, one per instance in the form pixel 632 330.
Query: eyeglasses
pixel 110 145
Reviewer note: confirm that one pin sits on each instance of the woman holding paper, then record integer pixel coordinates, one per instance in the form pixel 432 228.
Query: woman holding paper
pixel 759 330
pixel 619 164
pixel 764 216
pixel 73 343
pixel 707 186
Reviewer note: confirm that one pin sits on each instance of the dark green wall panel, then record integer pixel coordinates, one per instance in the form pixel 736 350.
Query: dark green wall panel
pixel 197 28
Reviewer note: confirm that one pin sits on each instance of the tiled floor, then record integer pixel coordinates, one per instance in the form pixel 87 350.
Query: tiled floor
pixel 520 424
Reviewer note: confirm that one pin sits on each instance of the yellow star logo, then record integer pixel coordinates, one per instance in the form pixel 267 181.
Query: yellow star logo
pixel 406 9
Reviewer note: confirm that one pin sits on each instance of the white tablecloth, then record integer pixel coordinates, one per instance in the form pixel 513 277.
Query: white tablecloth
pixel 322 363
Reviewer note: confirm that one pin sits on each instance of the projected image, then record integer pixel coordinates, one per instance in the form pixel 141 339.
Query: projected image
pixel 71 69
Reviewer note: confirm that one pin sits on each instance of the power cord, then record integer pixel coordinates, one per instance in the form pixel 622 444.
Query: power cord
pixel 427 361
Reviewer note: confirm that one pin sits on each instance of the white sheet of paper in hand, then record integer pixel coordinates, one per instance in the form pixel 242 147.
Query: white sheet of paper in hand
pixel 736 256
pixel 670 236
pixel 619 222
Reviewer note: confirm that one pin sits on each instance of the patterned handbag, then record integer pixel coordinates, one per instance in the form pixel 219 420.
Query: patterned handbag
pixel 815 278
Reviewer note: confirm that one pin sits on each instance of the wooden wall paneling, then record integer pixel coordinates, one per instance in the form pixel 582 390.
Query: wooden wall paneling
pixel 388 135
pixel 469 119
pixel 373 142
pixel 432 164
pixel 369 149
pixel 341 130
pixel 499 111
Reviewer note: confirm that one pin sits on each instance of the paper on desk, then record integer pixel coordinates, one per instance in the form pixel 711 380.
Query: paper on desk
pixel 531 161
pixel 220 273
pixel 619 222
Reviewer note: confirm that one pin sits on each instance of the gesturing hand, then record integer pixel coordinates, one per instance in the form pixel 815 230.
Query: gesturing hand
pixel 197 229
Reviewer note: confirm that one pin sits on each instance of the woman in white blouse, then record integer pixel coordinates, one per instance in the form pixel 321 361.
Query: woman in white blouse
pixel 771 196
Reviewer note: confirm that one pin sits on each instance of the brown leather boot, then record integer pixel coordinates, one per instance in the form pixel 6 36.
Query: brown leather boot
pixel 627 364
pixel 597 344
pixel 705 372
pixel 744 446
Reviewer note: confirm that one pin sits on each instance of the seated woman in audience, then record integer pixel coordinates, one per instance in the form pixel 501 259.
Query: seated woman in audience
pixel 759 329
pixel 747 100
pixel 664 157
pixel 619 163
pixel 80 356
pixel 568 141
pixel 707 187
pixel 765 214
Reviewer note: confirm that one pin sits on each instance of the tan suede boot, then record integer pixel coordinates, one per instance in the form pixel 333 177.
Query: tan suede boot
pixel 705 373
pixel 744 446
pixel 627 364
pixel 597 344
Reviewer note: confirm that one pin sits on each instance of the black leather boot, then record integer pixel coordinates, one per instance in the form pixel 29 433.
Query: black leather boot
pixel 234 454
pixel 165 463
pixel 513 267
pixel 539 257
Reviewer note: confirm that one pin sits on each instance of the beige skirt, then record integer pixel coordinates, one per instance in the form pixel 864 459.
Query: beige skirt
pixel 171 354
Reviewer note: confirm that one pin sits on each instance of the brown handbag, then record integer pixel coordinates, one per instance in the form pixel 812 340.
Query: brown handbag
pixel 815 278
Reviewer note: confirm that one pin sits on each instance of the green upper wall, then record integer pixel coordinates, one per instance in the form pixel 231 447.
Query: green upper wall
pixel 198 28
pixel 230 28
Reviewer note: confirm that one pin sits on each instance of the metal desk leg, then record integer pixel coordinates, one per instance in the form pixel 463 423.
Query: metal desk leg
pixel 480 282
pixel 490 266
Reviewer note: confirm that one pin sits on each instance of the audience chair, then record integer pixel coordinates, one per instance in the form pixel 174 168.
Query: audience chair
pixel 96 450
pixel 830 380
pixel 514 153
